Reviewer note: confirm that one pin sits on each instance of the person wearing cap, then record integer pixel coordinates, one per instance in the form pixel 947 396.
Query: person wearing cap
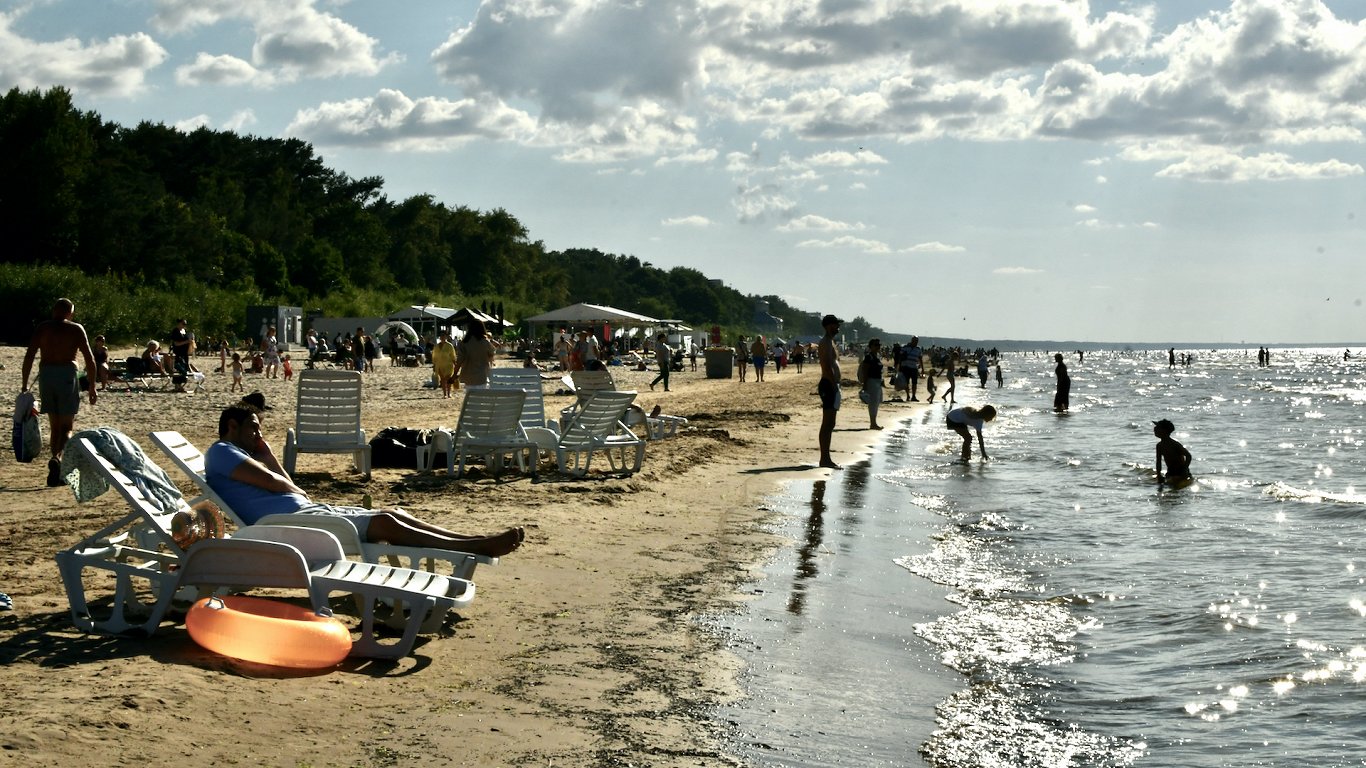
pixel 1178 459
pixel 828 387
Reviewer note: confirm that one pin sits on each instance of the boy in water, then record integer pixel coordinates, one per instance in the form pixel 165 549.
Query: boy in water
pixel 1177 457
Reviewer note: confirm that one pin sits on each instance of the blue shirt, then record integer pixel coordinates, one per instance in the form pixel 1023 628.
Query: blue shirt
pixel 250 502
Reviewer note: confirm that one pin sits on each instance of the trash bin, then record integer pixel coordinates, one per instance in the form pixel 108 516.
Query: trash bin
pixel 720 362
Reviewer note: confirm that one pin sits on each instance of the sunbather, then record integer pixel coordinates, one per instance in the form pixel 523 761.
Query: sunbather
pixel 242 468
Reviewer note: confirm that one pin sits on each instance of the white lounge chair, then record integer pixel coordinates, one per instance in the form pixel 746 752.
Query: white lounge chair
pixel 490 427
pixel 586 383
pixel 597 426
pixel 140 545
pixel 459 565
pixel 327 418
pixel 527 380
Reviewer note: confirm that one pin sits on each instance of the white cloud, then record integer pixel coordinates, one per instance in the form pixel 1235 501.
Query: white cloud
pixel 1084 208
pixel 811 222
pixel 115 66
pixel 1217 164
pixel 190 124
pixel 293 39
pixel 240 121
pixel 848 242
pixel 687 221
pixel 221 70
pixel 1016 271
pixel 391 119
pixel 934 246
pixel 698 157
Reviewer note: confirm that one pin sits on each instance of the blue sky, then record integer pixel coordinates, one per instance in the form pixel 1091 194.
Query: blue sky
pixel 1104 171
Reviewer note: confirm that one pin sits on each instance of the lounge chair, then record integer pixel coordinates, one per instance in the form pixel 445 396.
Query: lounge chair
pixel 527 380
pixel 598 426
pixel 327 418
pixel 459 565
pixel 490 427
pixel 586 383
pixel 141 545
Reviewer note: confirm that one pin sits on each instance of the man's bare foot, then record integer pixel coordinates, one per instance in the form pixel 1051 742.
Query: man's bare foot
pixel 504 543
pixel 875 426
pixel 828 464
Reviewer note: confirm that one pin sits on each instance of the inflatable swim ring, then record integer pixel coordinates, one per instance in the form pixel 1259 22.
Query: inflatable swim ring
pixel 268 632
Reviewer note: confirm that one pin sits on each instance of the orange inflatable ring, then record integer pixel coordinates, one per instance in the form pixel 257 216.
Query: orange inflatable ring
pixel 268 632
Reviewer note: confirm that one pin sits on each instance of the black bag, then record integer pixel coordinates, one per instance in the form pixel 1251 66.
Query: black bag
pixel 396 447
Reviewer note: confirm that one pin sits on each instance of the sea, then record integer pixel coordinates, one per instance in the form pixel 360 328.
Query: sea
pixel 1054 605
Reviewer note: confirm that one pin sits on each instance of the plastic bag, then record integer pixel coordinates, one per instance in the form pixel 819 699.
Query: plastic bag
pixel 28 432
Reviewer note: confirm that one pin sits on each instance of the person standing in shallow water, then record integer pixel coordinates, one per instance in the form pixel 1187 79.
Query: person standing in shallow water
pixel 870 378
pixel 828 387
pixel 1062 399
pixel 961 419
pixel 1177 458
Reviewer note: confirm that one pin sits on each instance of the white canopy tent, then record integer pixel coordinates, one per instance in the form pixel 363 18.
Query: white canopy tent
pixel 590 314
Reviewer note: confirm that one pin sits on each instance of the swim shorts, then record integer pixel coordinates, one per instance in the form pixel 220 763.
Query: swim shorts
pixel 758 361
pixel 58 390
pixel 357 516
pixel 830 395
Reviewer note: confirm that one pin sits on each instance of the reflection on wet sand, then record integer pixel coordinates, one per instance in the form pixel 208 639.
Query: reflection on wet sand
pixel 806 553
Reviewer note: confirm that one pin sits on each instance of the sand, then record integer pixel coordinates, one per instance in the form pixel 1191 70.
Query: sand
pixel 579 650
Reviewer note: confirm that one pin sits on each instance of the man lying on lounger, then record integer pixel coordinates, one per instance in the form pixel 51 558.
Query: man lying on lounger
pixel 242 468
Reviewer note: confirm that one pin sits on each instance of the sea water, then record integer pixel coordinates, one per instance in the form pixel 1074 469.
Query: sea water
pixel 1054 606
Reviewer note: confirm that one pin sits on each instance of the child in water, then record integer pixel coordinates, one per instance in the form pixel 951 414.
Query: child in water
pixel 1177 457
pixel 929 383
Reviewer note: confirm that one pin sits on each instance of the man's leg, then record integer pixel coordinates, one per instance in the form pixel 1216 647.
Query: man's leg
pixel 827 431
pixel 915 383
pixel 398 527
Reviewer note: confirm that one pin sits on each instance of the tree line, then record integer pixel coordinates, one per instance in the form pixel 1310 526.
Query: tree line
pixel 140 225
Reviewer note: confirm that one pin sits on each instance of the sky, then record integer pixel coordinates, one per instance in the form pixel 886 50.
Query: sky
pixel 996 169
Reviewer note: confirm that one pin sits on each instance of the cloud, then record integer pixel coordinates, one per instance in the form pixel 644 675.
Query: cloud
pixel 1216 164
pixel 811 222
pixel 697 157
pixel 293 39
pixel 848 242
pixel 934 247
pixel 221 70
pixel 1016 271
pixel 115 66
pixel 1084 208
pixel 578 61
pixel 191 124
pixel 687 221
pixel 392 120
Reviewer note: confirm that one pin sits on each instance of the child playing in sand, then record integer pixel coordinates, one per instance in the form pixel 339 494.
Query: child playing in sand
pixel 237 373
pixel 1177 457
pixel 287 367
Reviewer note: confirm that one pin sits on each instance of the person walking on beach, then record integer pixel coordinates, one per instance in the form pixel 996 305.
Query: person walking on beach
pixel 443 362
pixel 951 376
pixel 758 355
pixel 961 419
pixel 742 356
pixel 929 383
pixel 55 343
pixel 1000 380
pixel 1062 398
pixel 1175 454
pixel 983 367
pixel 870 379
pixel 828 387
pixel 664 356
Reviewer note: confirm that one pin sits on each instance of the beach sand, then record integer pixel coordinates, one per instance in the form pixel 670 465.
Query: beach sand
pixel 579 650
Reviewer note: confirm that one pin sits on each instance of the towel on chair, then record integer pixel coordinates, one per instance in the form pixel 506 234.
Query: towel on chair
pixel 125 454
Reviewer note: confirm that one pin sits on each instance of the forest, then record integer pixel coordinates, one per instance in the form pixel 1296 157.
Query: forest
pixel 144 224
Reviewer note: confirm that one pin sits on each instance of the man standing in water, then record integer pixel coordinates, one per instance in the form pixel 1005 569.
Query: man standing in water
pixel 58 340
pixel 828 387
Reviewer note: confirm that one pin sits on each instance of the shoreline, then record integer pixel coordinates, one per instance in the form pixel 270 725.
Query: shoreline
pixel 581 648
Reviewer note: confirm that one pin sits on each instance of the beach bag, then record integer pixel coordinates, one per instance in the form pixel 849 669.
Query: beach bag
pixel 28 433
pixel 396 447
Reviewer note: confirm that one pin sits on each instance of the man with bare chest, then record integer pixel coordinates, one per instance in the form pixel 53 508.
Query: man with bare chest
pixel 55 343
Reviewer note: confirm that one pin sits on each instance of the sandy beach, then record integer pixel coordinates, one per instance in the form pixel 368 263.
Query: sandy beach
pixel 579 649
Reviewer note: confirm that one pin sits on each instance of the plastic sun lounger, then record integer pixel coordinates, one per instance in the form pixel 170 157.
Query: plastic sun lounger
pixel 141 545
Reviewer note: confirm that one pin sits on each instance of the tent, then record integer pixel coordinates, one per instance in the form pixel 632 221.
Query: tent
pixel 382 332
pixel 590 315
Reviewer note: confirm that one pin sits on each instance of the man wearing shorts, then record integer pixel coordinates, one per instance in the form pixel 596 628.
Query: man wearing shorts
pixel 828 387
pixel 56 342
pixel 911 358
pixel 242 468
